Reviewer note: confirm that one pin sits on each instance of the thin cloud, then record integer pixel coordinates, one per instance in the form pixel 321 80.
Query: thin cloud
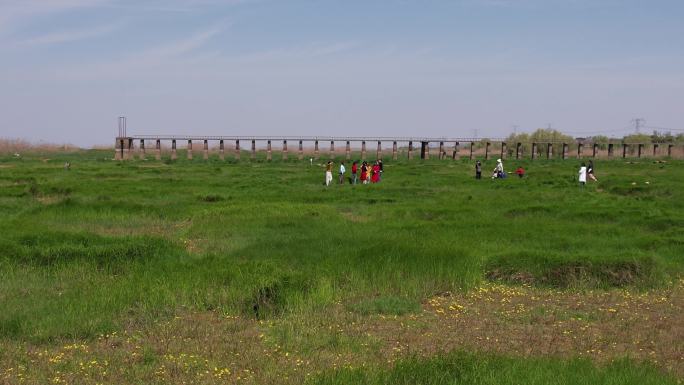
pixel 73 35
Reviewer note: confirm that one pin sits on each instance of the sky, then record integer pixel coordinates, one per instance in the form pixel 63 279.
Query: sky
pixel 459 68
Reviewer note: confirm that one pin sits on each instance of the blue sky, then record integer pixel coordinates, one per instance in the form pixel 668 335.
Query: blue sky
pixel 68 68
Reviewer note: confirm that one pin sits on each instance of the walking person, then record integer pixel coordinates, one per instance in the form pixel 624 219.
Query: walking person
pixel 364 172
pixel 328 173
pixel 478 170
pixel 498 170
pixel 583 175
pixel 342 171
pixel 376 173
pixel 354 170
pixel 590 171
pixel 380 175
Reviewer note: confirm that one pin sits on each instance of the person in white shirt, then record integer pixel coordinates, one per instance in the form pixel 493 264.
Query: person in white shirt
pixel 342 171
pixel 583 174
pixel 498 170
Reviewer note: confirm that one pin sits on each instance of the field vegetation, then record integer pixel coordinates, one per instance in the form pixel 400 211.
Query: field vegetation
pixel 254 272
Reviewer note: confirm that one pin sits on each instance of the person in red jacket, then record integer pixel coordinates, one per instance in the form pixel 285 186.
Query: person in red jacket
pixel 520 171
pixel 354 170
pixel 364 172
pixel 375 178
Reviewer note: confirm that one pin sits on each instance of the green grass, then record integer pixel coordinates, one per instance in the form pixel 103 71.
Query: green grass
pixel 472 369
pixel 84 249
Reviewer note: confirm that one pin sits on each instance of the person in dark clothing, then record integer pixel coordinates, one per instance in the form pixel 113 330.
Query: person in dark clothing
pixel 478 170
pixel 380 175
pixel 590 171
pixel 354 170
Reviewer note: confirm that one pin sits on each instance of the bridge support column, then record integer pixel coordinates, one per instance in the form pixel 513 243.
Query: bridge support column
pixel 534 151
pixel 549 150
pixel 174 155
pixel 424 150
pixel 610 150
pixel 655 149
pixel 624 150
pixel 316 150
pixel 518 150
pixel 157 148
pixel 669 150
pixel 205 155
pixel 565 151
pixel 640 147
pixel 394 150
pixel 284 149
pixel 503 150
pixel 301 150
pixel 472 149
pixel 363 150
pixel 189 150
pixel 222 150
pixel 253 156
pixel 580 150
pixel 347 150
pixel 237 149
pixel 454 155
pixel 142 149
pixel 378 153
pixel 332 149
pixel 442 153
pixel 410 150
pixel 594 150
pixel 269 151
pixel 118 149
pixel 487 150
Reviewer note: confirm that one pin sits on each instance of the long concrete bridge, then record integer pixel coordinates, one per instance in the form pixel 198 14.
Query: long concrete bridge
pixel 443 148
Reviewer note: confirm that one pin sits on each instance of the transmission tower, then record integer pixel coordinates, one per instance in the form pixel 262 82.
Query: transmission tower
pixel 638 123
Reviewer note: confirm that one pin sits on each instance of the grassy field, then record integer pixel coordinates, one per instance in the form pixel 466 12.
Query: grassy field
pixel 255 272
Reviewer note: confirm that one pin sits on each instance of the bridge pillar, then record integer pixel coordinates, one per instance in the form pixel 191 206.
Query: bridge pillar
pixel 594 150
pixel 118 149
pixel 549 150
pixel 269 151
pixel 394 150
pixel 610 150
pixel 487 150
pixel 301 150
pixel 205 154
pixel 363 150
pixel 284 149
pixel 222 150
pixel 472 148
pixel 157 148
pixel 378 153
pixel 347 150
pixel 534 150
pixel 518 150
pixel 332 149
pixel 424 150
pixel 410 150
pixel 237 149
pixel 454 155
pixel 655 149
pixel 189 149
pixel 316 150
pixel 142 149
pixel 565 151
pixel 640 147
pixel 624 150
pixel 669 150
pixel 503 150
pixel 580 150
pixel 442 154
pixel 174 155
pixel 253 156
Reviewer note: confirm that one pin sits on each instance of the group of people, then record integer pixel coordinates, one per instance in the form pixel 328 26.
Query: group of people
pixel 499 173
pixel 365 173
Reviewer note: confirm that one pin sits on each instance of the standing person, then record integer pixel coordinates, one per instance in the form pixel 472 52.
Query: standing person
pixel 590 171
pixel 328 172
pixel 583 175
pixel 354 170
pixel 342 171
pixel 364 172
pixel 376 172
pixel 380 164
pixel 369 173
pixel 478 170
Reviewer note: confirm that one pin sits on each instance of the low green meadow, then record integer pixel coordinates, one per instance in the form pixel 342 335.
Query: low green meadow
pixel 85 251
